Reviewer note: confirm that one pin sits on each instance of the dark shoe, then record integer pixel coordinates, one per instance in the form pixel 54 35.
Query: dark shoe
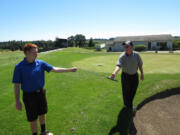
pixel 46 133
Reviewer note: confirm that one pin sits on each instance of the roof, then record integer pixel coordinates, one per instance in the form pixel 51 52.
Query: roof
pixel 163 37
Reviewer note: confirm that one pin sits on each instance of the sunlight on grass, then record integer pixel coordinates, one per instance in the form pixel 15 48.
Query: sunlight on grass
pixel 85 102
pixel 153 63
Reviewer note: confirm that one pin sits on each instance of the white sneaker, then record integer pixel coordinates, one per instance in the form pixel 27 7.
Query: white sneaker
pixel 46 133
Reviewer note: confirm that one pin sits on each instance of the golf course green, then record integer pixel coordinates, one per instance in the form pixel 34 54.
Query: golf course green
pixel 85 102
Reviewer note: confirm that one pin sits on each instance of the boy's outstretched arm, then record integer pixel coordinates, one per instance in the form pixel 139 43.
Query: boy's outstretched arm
pixel 62 70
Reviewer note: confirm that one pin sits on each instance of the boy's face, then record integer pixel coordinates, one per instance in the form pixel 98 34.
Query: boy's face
pixel 32 53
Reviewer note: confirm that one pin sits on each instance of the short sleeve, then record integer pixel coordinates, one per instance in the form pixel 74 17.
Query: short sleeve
pixel 140 63
pixel 119 61
pixel 16 75
pixel 47 66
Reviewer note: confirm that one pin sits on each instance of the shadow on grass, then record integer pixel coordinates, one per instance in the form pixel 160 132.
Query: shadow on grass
pixel 125 124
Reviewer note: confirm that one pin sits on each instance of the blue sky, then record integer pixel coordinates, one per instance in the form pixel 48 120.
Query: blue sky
pixel 48 19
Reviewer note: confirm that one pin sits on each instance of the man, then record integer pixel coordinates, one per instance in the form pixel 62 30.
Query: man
pixel 129 61
pixel 29 73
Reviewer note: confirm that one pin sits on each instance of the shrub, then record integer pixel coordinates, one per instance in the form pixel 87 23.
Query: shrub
pixel 98 48
pixel 140 48
pixel 176 45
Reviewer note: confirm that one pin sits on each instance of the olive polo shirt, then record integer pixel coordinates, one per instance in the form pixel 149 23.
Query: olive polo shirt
pixel 129 63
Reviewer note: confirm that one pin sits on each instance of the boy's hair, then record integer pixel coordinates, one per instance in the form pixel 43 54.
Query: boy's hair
pixel 28 47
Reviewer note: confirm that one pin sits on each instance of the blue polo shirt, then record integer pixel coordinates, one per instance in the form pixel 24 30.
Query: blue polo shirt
pixel 31 75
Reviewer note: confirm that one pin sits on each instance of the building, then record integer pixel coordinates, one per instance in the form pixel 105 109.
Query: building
pixel 152 42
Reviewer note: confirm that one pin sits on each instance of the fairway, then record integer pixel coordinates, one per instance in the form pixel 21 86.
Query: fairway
pixel 85 102
pixel 153 63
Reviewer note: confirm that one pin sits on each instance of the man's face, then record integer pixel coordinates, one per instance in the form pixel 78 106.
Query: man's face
pixel 128 48
pixel 32 53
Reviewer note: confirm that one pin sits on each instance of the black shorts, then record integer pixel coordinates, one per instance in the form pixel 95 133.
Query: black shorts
pixel 35 104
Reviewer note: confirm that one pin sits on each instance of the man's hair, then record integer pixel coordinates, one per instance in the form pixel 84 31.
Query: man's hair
pixel 28 47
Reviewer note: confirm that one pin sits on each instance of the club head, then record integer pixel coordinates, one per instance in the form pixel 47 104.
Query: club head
pixel 112 79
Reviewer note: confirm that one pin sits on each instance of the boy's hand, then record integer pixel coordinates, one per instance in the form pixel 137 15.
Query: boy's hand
pixel 74 69
pixel 19 106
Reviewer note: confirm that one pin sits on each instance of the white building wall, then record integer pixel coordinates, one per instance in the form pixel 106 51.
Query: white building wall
pixel 141 43
pixel 170 45
pixel 154 45
pixel 117 47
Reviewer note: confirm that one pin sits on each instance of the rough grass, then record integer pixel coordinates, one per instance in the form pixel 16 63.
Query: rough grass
pixel 85 102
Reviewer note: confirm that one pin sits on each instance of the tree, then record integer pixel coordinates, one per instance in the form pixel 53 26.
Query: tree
pixel 91 43
pixel 60 43
pixel 71 41
pixel 14 45
pixel 80 40
pixel 42 45
pixel 50 44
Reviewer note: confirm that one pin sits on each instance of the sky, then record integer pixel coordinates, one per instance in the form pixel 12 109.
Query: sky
pixel 47 19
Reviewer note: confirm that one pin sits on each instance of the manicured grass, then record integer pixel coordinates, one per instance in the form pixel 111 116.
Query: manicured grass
pixel 153 63
pixel 85 102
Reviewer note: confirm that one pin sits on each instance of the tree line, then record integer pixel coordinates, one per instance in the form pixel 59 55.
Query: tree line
pixel 42 45
pixel 78 40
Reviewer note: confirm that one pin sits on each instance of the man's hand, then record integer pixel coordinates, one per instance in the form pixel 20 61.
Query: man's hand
pixel 142 77
pixel 115 73
pixel 74 69
pixel 18 105
pixel 112 76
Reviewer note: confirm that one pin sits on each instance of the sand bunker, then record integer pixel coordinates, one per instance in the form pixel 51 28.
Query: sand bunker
pixel 159 117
